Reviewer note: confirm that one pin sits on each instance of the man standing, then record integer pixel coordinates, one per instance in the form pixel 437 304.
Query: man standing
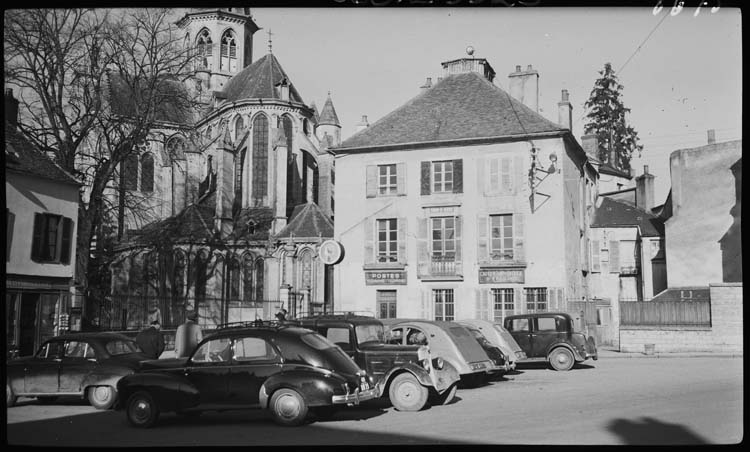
pixel 151 340
pixel 188 335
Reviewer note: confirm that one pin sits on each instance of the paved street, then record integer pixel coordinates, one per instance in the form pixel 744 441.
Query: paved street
pixel 681 400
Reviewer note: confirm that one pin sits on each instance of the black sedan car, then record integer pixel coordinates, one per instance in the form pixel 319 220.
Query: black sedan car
pixel 76 364
pixel 291 371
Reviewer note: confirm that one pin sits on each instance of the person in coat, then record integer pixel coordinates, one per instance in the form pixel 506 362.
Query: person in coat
pixel 188 335
pixel 151 340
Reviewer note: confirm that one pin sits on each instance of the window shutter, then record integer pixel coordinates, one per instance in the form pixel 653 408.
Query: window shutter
pixel 38 240
pixel 372 181
pixel 614 256
pixel 518 227
pixel 369 238
pixel 67 239
pixel 506 167
pixel 458 176
pixel 401 178
pixel 482 245
pixel 423 255
pixel 458 246
pixel 425 178
pixel 402 240
pixel 595 264
pixel 481 175
pixel 520 301
pixel 519 172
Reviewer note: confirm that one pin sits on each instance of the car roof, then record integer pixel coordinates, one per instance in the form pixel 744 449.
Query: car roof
pixel 93 335
pixel 353 319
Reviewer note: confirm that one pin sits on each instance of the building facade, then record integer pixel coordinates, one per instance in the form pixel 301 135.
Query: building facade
pixel 464 203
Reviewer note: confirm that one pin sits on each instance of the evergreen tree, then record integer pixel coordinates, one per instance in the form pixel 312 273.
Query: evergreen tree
pixel 606 119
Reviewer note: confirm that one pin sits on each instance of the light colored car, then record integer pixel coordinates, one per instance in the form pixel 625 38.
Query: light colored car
pixel 498 336
pixel 449 340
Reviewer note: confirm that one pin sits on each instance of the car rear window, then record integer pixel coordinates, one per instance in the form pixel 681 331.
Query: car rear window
pixel 122 347
pixel 458 331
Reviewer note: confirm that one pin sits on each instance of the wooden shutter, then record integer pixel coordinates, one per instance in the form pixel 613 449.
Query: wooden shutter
pixel 401 178
pixel 483 254
pixel 458 176
pixel 402 240
pixel 519 173
pixel 425 178
pixel 67 239
pixel 369 241
pixel 38 241
pixel 614 256
pixel 507 186
pixel 372 181
pixel 423 255
pixel 595 264
pixel 458 245
pixel 481 173
pixel 519 254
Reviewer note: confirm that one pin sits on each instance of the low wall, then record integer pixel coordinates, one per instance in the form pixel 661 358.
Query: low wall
pixel 724 334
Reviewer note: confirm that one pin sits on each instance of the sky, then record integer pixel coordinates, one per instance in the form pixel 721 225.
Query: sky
pixel 682 74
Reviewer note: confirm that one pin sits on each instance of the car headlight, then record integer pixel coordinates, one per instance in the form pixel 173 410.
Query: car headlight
pixel 438 363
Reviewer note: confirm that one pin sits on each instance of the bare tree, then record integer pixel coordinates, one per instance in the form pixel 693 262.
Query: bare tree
pixel 95 84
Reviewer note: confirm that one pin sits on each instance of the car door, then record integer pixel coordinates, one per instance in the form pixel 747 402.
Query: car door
pixel 254 360
pixel 520 329
pixel 78 361
pixel 42 373
pixel 544 333
pixel 209 370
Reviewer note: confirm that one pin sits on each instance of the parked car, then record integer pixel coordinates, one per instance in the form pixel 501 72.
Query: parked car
pixel 453 342
pixel 88 365
pixel 502 365
pixel 551 336
pixel 497 335
pixel 410 375
pixel 288 370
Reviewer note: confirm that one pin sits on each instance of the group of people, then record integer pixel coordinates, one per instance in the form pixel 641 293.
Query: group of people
pixel 186 338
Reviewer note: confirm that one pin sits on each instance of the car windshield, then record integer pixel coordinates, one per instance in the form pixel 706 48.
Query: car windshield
pixel 122 347
pixel 369 333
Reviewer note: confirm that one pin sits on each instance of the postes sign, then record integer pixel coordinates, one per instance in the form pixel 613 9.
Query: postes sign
pixel 378 277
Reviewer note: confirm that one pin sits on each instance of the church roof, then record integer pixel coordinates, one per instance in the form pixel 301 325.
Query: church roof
pixel 461 106
pixel 258 81
pixel 307 222
pixel 22 156
pixel 617 214
pixel 328 115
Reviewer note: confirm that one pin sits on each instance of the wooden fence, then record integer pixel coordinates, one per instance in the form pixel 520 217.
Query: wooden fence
pixel 666 313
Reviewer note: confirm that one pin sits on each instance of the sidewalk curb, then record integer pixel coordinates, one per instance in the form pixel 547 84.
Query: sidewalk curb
pixel 631 355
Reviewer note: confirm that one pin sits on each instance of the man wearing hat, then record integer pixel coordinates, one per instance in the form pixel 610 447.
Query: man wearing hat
pixel 188 335
pixel 151 340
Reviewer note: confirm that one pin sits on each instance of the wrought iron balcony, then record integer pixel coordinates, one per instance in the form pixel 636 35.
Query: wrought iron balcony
pixel 443 265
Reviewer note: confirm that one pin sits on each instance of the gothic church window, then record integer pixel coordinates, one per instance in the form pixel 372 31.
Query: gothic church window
pixel 147 173
pixel 248 289
pixel 260 159
pixel 234 280
pixel 239 127
pixel 130 172
pixel 228 52
pixel 259 280
pixel 204 49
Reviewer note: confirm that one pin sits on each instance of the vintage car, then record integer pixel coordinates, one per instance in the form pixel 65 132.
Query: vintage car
pixel 410 375
pixel 498 336
pixel 76 364
pixel 502 365
pixel 451 341
pixel 551 336
pixel 288 370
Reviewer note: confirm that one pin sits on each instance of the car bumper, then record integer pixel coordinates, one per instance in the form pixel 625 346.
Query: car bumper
pixel 356 397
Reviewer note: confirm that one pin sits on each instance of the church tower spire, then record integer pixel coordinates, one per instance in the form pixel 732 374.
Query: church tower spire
pixel 329 124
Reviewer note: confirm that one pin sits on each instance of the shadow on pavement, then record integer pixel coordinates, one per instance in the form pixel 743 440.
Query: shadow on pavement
pixel 651 431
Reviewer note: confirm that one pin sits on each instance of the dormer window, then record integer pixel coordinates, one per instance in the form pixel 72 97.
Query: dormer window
pixel 228 52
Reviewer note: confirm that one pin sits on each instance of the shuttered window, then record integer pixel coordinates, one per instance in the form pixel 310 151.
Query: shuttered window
pixel 445 176
pixel 387 230
pixel 503 303
pixel 387 182
pixel 52 240
pixel 501 237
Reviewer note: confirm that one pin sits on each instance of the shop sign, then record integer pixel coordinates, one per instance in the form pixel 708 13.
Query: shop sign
pixel 385 277
pixel 501 275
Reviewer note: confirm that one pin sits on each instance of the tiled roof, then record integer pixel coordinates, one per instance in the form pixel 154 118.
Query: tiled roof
pixel 328 116
pixel 172 101
pixel 460 106
pixel 307 222
pixel 258 81
pixel 252 223
pixel 22 156
pixel 613 213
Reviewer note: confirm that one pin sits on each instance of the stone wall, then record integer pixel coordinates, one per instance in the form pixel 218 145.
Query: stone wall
pixel 724 334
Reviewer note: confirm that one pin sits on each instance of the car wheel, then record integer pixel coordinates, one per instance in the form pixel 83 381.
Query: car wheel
pixel 10 396
pixel 142 411
pixel 102 397
pixel 288 407
pixel 561 359
pixel 447 397
pixel 406 393
pixel 325 412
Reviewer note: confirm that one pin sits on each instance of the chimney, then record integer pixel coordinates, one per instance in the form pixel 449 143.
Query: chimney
pixel 644 190
pixel 524 86
pixel 590 144
pixel 427 85
pixel 363 124
pixel 11 108
pixel 711 136
pixel 565 111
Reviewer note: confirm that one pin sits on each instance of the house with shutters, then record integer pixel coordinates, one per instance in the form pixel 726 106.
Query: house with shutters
pixel 464 203
pixel 41 213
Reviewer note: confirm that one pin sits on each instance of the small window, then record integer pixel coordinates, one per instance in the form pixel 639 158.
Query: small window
pixel 216 350
pixel 340 337
pixel 50 350
pixel 387 182
pixel 519 325
pixel 501 237
pixel 442 177
pixel 253 349
pixel 546 324
pixel 387 240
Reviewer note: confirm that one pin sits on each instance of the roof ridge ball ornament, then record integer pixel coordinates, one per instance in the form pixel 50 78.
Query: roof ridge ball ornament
pixel 470 51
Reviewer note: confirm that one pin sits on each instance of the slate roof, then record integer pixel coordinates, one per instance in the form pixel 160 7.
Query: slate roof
pixel 252 223
pixel 194 223
pixel 613 214
pixel 328 115
pixel 307 222
pixel 22 156
pixel 461 106
pixel 258 81
pixel 172 101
